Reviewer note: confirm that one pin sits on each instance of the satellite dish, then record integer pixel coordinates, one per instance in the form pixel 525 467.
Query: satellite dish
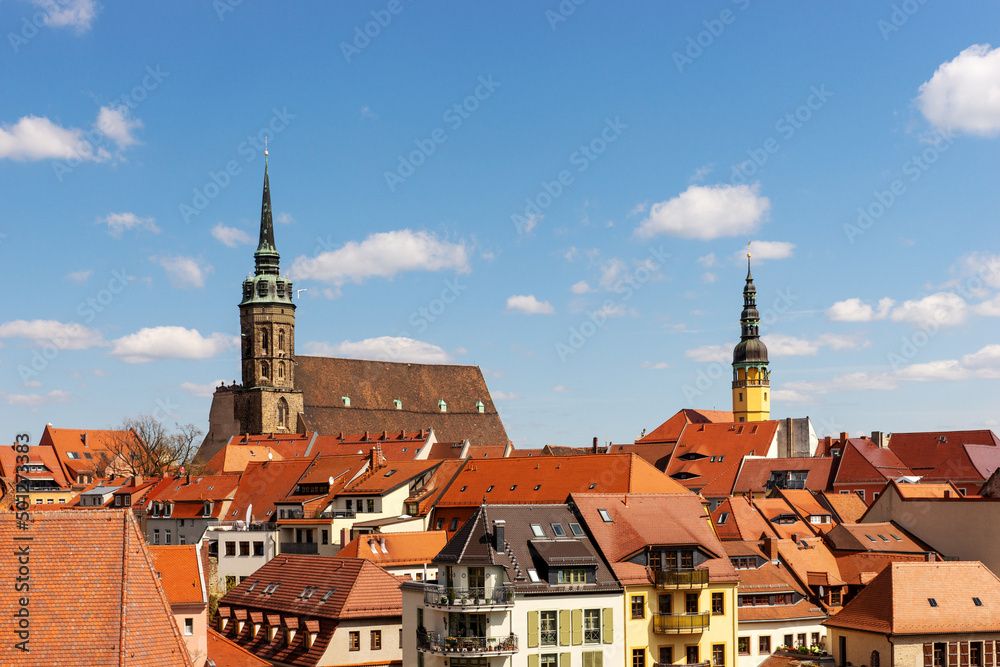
pixel 249 510
pixel 270 456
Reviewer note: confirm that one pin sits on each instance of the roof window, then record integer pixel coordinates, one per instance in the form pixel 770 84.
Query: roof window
pixel 513 486
pixel 490 488
pixel 576 529
pixel 871 538
pixel 977 602
pixel 605 516
pixel 722 519
pixel 932 602
pixel 533 576
pixel 463 489
pixel 537 486
pixel 593 485
pixel 536 530
pixel 558 530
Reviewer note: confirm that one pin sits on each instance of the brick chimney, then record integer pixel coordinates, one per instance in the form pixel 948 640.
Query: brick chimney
pixel 595 444
pixel 771 547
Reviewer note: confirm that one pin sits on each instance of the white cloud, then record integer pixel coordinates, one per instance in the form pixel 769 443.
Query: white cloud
pixel 120 222
pixel 34 400
pixel 68 13
pixel 609 309
pixel 849 382
pixel 975 271
pixel 529 224
pixel 700 174
pixel 990 308
pixel 709 277
pixel 200 390
pixel 504 396
pixel 843 342
pixel 284 218
pixel 170 342
pixel 987 358
pixel 389 348
pixel 230 236
pixel 964 93
pixel 529 305
pixel 789 396
pixel 185 272
pixel 383 255
pixel 722 354
pixel 117 125
pixel 946 369
pixel 855 310
pixel 36 138
pixel 779 345
pixel 80 276
pixel 66 336
pixel 580 288
pixel 611 273
pixel 708 261
pixel 765 250
pixel 657 366
pixel 944 308
pixel 560 388
pixel 707 212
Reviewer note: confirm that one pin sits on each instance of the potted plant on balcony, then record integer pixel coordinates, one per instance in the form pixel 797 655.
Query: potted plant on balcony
pixel 451 595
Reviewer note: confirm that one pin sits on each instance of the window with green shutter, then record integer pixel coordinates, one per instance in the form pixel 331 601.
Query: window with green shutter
pixel 533 632
pixel 577 627
pixel 564 660
pixel 565 628
pixel 608 627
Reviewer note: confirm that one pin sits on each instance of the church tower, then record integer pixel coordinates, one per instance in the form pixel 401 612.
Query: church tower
pixel 267 401
pixel 751 379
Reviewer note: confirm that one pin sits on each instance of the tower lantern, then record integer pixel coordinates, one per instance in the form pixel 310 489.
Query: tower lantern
pixel 751 378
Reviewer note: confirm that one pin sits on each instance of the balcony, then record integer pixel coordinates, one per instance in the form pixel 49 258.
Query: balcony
pixel 256 526
pixel 686 578
pixel 468 598
pixel 680 624
pixel 300 547
pixel 468 646
pixel 335 514
pixel 689 664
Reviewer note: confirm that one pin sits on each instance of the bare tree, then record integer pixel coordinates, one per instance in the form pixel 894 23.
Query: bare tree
pixel 142 446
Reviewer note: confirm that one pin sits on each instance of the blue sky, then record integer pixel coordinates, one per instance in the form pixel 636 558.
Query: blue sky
pixel 559 193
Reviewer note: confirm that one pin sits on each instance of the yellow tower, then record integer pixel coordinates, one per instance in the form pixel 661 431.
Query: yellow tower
pixel 751 378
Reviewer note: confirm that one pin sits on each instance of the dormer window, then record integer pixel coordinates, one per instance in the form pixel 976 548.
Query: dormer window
pixel 169 509
pixel 398 403
pixel 480 407
pixel 346 400
pixel 207 509
pixel 442 406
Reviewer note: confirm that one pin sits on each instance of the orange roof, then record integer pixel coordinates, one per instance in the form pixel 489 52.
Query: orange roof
pixel 708 456
pixel 550 479
pixel 40 455
pixel 388 475
pixel 262 485
pixel 880 537
pixel 396 549
pixel 657 454
pixel 741 520
pixel 179 572
pixel 782 517
pixel 671 429
pixel 79 449
pixel 756 472
pixel 807 556
pixel 94 593
pixel 225 653
pixel 235 458
pixel 928 490
pixel 863 461
pixel 860 567
pixel 847 507
pixel 898 600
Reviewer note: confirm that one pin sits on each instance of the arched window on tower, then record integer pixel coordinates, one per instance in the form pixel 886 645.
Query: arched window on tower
pixel 281 370
pixel 264 341
pixel 281 340
pixel 282 413
pixel 265 372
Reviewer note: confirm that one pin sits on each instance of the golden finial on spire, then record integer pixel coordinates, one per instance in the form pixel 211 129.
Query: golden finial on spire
pixel 748 233
pixel 265 145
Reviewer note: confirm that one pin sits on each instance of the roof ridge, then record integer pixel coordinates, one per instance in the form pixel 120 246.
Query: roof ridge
pixel 123 595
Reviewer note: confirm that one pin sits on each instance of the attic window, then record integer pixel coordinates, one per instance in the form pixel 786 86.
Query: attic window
pixel 311 591
pixel 593 485
pixel 897 537
pixel 480 407
pixel 721 458
pixel 390 473
pixel 252 586
pixel 977 602
pixel 442 405
pixel 533 576
pixel 73 455
pixel 536 530
pixel 713 459
pixel 558 530
pixel 490 488
pixel 722 519
pixel 871 538
pixel 326 596
pixel 932 602
pixel 346 400
pixel 513 486
pixel 576 529
pixel 605 516
pixel 884 538
pixel 537 486
pixel 398 403
pixel 465 487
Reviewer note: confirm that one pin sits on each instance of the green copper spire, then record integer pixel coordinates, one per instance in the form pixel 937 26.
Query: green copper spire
pixel 266 258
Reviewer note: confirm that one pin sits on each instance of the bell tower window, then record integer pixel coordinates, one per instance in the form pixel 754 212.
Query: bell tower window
pixel 264 370
pixel 264 341
pixel 281 340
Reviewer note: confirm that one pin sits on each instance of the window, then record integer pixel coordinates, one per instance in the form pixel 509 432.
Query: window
pixel 166 537
pixel 181 539
pixel 692 654
pixel 326 537
pixel 244 548
pixel 932 602
pixel 687 560
pixel 547 628
pixel 743 645
pixel 558 530
pixel 355 640
pixel 440 524
pixel 722 519
pixel 188 627
pixel 670 560
pixel 788 641
pixel 655 561
pixel 718 655
pixel 156 536
pixel 258 548
pixel 940 654
pixel 763 645
pixel 454 524
pixel 638 657
pixel 666 655
pixel 977 602
pixel 691 603
pixel 802 639
pixel 573 528
pixel 718 604
pixel 815 639
pixel 605 516
pixel 533 576
pixel 548 660
pixel 572 576
pixel 638 606
pixel 536 530
pixel 230 548
pixel 371 505
pixel 376 640
pixel 664 605
pixel 835 597
pixel 591 626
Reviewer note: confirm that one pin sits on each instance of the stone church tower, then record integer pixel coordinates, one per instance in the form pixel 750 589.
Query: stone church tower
pixel 267 402
pixel 751 377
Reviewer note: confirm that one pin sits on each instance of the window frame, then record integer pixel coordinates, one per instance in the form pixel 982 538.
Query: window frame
pixel 354 640
pixel 376 640
pixel 637 603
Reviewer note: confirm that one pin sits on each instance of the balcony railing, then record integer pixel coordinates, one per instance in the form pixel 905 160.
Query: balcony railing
pixel 678 624
pixel 300 547
pixel 681 578
pixel 478 646
pixel 446 596
pixel 241 525
pixel 689 664
pixel 333 514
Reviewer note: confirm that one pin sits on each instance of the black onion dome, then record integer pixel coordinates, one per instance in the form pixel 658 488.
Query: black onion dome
pixel 752 350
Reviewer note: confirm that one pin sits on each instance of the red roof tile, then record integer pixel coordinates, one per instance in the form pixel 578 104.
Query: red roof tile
pixel 179 573
pixel 862 461
pixel 414 548
pixel 670 430
pixel 742 521
pixel 756 472
pixel 262 485
pixel 94 598
pixel 225 653
pixel 708 456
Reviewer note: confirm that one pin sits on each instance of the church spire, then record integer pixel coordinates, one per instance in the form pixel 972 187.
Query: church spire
pixel 266 257
pixel 751 376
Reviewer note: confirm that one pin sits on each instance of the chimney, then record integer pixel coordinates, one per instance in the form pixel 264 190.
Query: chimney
pixel 771 547
pixel 187 479
pixel 878 437
pixel 795 538
pixel 595 444
pixel 498 534
pixel 844 435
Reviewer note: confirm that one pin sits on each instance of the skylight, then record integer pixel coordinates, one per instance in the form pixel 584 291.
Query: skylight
pixel 537 486
pixel 390 473
pixel 252 586
pixel 576 529
pixel 605 516
pixel 463 488
pixel 977 602
pixel 536 530
pixel 489 489
pixel 871 538
pixel 513 486
pixel 558 530
pixel 533 576
pixel 932 602
pixel 593 485
pixel 897 537
pixel 326 596
pixel 722 518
